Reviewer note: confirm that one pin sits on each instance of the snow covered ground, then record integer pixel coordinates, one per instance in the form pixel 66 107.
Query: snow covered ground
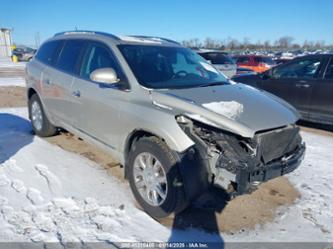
pixel 48 194
pixel 12 81
pixel 6 62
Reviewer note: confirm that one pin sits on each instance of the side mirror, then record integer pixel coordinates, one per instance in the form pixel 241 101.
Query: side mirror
pixel 104 75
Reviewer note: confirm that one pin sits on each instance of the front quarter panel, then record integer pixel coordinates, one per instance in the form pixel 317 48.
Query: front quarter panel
pixel 143 115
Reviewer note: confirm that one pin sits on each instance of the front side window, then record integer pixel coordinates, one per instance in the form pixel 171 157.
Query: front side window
pixel 169 67
pixel 305 69
pixel 98 56
pixel 329 71
pixel 69 55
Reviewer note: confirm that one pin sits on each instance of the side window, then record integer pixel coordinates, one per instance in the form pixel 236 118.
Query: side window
pixel 48 52
pixel 98 56
pixel 243 60
pixel 329 71
pixel 69 55
pixel 304 69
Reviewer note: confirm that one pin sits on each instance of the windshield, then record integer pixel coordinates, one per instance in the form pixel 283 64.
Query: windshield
pixel 170 67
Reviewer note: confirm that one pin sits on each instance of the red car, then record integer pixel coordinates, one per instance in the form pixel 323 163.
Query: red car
pixel 257 63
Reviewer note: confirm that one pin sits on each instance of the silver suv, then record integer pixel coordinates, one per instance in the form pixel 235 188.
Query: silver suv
pixel 171 118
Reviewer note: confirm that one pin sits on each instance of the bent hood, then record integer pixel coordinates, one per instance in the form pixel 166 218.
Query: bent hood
pixel 238 108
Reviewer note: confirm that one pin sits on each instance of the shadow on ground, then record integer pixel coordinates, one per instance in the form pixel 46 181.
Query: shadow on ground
pixel 15 133
pixel 201 216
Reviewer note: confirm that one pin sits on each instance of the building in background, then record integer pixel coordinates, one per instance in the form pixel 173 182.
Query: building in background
pixel 5 42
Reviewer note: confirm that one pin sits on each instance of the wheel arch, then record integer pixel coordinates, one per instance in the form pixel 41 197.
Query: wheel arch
pixel 131 139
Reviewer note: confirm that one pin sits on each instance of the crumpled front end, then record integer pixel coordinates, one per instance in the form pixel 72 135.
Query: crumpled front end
pixel 238 164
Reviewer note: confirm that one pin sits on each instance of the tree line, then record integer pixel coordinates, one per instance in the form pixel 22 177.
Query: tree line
pixel 283 43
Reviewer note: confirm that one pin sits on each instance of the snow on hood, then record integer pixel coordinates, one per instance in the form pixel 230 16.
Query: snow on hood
pixel 230 109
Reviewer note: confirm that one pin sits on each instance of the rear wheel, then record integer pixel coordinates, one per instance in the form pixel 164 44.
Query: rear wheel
pixel 40 123
pixel 154 178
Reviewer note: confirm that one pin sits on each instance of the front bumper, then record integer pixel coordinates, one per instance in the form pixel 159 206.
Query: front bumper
pixel 247 180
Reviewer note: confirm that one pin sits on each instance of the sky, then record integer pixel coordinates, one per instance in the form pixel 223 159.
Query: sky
pixel 256 20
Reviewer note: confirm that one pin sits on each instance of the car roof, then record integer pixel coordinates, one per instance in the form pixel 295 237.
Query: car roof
pixel 117 39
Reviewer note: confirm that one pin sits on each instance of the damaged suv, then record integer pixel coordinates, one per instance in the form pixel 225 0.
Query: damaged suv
pixel 176 124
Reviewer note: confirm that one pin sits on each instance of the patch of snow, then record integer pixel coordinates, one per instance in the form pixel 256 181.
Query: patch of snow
pixel 6 62
pixel 64 197
pixel 140 40
pixel 17 81
pixel 230 109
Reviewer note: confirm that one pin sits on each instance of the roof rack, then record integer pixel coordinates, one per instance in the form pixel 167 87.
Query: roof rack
pixel 155 37
pixel 78 32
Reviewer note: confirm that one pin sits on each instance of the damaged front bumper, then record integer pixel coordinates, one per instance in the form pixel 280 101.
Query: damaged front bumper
pixel 246 180
pixel 240 164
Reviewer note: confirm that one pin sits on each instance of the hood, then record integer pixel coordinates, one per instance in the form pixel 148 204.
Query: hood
pixel 238 108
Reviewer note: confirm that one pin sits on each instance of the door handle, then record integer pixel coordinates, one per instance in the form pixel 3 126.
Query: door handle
pixel 47 82
pixel 76 94
pixel 302 85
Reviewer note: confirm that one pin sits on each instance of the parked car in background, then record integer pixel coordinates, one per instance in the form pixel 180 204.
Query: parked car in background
pixel 24 53
pixel 176 124
pixel 222 62
pixel 305 82
pixel 257 63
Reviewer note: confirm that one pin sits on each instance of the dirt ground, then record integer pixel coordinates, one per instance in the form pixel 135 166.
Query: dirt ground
pixel 241 213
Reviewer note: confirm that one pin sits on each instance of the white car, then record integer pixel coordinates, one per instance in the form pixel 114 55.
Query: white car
pixel 221 62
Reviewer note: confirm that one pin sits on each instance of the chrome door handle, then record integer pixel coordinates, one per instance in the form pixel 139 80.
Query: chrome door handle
pixel 76 93
pixel 302 85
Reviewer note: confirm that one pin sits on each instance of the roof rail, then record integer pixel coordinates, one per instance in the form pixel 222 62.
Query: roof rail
pixel 155 37
pixel 70 32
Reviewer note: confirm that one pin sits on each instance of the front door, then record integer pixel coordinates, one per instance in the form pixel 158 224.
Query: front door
pixel 294 82
pixel 322 97
pixel 98 104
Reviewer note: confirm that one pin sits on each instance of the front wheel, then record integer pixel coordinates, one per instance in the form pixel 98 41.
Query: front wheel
pixel 154 178
pixel 40 123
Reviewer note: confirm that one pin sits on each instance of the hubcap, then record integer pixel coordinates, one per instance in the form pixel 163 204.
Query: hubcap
pixel 150 179
pixel 36 115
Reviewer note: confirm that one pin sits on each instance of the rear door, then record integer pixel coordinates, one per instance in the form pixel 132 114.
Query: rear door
pixel 48 55
pixel 98 104
pixel 62 76
pixel 321 108
pixel 294 82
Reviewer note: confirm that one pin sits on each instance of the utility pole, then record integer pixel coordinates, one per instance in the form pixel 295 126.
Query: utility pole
pixel 37 39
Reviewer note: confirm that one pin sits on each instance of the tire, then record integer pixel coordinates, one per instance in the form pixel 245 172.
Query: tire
pixel 43 128
pixel 174 201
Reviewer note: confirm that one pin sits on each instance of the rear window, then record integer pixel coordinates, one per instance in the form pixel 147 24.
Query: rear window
pixel 69 55
pixel 217 58
pixel 48 52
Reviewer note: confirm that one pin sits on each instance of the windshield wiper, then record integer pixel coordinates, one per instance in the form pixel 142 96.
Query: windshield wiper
pixel 219 83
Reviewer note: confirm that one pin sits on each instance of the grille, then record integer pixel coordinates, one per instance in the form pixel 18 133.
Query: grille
pixel 278 143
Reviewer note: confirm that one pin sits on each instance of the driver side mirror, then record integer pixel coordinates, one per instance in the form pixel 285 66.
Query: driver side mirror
pixel 104 75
